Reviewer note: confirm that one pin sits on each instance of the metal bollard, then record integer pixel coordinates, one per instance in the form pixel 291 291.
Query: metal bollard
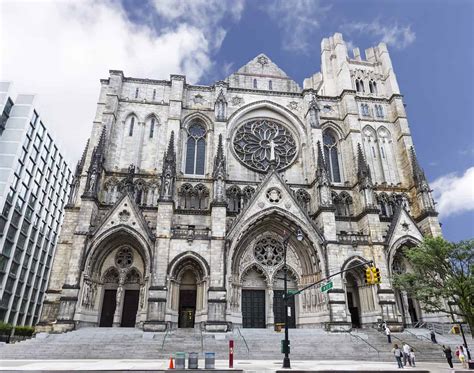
pixel 231 353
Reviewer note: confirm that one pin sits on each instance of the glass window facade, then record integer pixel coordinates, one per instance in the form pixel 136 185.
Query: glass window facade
pixel 30 217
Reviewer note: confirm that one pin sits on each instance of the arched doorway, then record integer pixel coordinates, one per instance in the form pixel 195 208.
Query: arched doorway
pixel 254 285
pixel 409 308
pixel 361 302
pixel 187 300
pixel 122 288
pixel 188 291
pixel 353 300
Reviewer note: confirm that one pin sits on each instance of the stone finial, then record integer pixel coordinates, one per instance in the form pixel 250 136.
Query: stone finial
pixel 313 114
pixel 321 169
pixel 95 167
pixel 219 160
pixel 363 171
pixel 168 174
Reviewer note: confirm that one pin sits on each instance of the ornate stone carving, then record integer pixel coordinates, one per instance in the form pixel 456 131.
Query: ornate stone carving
pixel 274 195
pixel 268 251
pixel 124 257
pixel 262 60
pixel 258 142
pixel 292 105
pixel 124 215
pixel 199 99
pixel 237 101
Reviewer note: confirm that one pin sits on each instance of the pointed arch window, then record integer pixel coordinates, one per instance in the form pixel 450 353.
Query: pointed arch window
pixel 360 85
pixel 196 149
pixel 255 83
pixel 234 197
pixel 373 86
pixel 152 127
pixel 332 157
pixel 130 129
pixel 270 85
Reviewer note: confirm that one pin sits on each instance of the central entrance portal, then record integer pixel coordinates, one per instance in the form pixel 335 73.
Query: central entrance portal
pixel 253 308
pixel 187 300
pixel 108 308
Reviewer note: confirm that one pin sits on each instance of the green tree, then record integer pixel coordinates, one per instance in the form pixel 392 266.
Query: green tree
pixel 443 274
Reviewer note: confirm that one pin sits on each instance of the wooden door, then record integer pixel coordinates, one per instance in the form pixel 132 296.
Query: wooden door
pixel 130 308
pixel 279 308
pixel 108 308
pixel 253 308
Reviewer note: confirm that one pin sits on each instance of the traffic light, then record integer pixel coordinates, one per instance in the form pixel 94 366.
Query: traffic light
pixel 368 276
pixel 377 277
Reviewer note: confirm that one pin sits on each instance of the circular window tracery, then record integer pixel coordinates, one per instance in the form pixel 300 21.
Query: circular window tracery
pixel 274 195
pixel 124 257
pixel 269 251
pixel 257 141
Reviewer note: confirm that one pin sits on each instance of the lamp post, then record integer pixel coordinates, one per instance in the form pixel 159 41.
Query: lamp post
pixel 286 345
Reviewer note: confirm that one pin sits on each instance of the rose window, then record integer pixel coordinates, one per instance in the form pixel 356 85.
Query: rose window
pixel 124 257
pixel 259 141
pixel 269 251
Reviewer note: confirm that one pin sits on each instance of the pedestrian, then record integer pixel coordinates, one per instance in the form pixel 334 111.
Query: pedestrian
pixel 433 337
pixel 398 355
pixel 461 356
pixel 449 355
pixel 412 357
pixel 406 354
pixel 387 333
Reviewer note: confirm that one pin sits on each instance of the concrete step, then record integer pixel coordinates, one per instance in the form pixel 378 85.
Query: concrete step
pixel 306 344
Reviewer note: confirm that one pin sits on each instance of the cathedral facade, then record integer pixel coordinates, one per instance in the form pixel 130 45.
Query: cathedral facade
pixel 188 198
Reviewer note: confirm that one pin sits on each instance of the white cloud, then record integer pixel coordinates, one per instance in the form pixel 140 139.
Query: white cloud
pixel 454 194
pixel 60 50
pixel 392 34
pixel 297 19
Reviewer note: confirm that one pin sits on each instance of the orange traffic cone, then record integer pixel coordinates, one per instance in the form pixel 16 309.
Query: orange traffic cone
pixel 171 366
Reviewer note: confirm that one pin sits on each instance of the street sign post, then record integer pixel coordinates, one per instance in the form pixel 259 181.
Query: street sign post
pixel 326 286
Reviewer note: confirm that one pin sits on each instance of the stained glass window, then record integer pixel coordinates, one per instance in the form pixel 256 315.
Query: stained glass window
pixel 332 158
pixel 196 149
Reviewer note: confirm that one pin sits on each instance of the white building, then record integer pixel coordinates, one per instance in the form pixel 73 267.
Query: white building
pixel 185 194
pixel 34 182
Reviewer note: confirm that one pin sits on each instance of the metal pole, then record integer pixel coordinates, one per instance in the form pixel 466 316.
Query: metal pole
pixel 286 359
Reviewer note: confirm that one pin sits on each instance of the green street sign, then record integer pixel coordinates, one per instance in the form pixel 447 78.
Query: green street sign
pixel 291 292
pixel 326 287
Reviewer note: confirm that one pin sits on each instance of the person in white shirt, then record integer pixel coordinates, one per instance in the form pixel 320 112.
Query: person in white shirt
pixel 387 333
pixel 406 354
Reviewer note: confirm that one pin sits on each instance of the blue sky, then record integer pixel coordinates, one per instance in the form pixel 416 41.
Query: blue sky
pixel 430 42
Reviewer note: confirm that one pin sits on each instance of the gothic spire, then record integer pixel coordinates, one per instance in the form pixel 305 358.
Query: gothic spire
pixel 95 167
pixel 321 169
pixel 168 174
pixel 363 170
pixel 80 164
pixel 418 173
pixel 219 160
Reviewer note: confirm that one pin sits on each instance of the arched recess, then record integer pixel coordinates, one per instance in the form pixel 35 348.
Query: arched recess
pixel 188 275
pixel 304 261
pixel 372 153
pixel 361 299
pixel 114 280
pixel 130 135
pixel 150 143
pixel 387 155
pixel 408 307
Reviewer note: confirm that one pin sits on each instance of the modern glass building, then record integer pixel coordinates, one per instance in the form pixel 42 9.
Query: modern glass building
pixel 34 186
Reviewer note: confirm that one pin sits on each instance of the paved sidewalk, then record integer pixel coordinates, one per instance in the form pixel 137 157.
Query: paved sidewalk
pixel 248 366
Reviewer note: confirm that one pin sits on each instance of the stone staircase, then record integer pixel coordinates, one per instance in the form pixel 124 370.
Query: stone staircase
pixel 249 344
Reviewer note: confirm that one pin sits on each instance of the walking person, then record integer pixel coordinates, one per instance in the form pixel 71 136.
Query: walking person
pixel 387 333
pixel 461 356
pixel 412 357
pixel 433 337
pixel 398 355
pixel 449 355
pixel 406 354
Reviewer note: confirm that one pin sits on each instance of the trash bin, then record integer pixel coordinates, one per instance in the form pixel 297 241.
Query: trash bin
pixel 193 360
pixel 209 360
pixel 180 360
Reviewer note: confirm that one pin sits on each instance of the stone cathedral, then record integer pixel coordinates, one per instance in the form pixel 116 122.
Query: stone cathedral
pixel 185 196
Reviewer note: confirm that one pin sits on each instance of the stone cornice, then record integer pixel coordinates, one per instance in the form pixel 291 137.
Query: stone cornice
pixel 264 92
